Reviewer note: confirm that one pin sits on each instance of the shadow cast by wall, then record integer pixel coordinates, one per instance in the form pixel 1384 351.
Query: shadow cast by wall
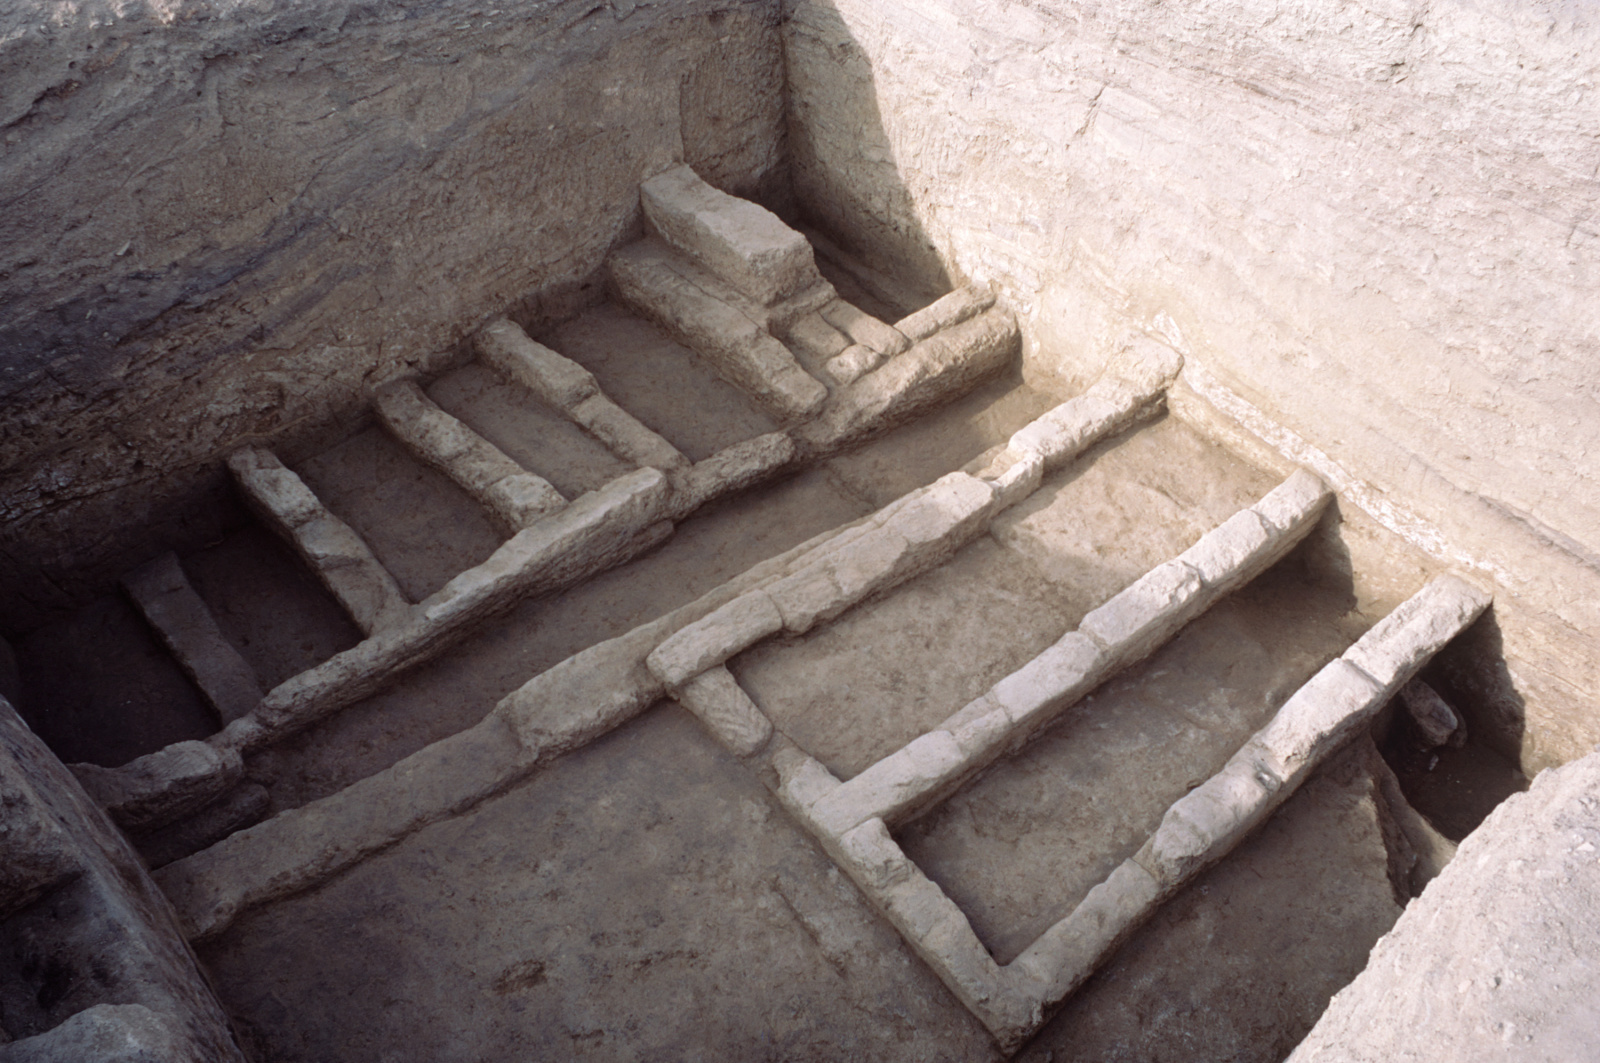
pixel 842 160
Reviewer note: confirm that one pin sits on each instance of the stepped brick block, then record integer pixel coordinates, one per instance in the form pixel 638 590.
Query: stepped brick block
pixel 740 349
pixel 742 242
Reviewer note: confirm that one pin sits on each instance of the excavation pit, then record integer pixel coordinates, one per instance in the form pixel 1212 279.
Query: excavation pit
pixel 804 530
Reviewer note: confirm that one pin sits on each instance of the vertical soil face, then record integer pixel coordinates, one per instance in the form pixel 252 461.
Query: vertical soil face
pixel 1207 174
pixel 228 220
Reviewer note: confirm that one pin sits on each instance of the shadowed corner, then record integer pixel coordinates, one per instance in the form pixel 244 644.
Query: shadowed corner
pixel 847 185
pixel 1457 787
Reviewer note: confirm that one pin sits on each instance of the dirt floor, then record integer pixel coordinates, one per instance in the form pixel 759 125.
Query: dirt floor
pixel 99 688
pixel 1240 964
pixel 645 898
pixel 715 544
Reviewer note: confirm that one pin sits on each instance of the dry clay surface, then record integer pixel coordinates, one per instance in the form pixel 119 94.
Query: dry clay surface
pixel 645 898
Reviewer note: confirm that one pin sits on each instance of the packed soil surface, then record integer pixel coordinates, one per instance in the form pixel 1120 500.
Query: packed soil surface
pixel 645 897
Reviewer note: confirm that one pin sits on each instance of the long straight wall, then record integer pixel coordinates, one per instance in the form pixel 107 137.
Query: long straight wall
pixel 1377 223
pixel 222 222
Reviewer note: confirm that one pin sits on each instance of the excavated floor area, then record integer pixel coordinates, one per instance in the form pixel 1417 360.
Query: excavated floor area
pixel 645 897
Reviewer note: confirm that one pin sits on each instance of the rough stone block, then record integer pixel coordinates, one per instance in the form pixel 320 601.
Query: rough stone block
pixel 811 336
pixel 1208 821
pixel 947 310
pixel 1297 500
pixel 1224 554
pixel 582 536
pixel 1436 721
pixel 1318 718
pixel 516 497
pixel 937 369
pixel 945 513
pixel 977 709
pixel 273 489
pixel 1403 641
pixel 873 562
pixel 731 469
pixel 1144 365
pixel 159 787
pixel 956 954
pixel 874 859
pixel 625 436
pixel 1062 433
pixel 803 780
pixel 435 435
pixel 853 363
pixel 336 554
pixel 904 539
pixel 1052 681
pixel 806 597
pixel 726 710
pixel 522 500
pixel 865 329
pixel 1147 612
pixel 347 567
pixel 185 624
pixel 780 315
pixel 979 735
pixel 554 379
pixel 893 784
pixel 1069 951
pixel 714 638
pixel 1018 480
pixel 743 243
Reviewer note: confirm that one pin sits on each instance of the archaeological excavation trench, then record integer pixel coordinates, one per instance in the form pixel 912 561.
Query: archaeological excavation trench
pixel 810 531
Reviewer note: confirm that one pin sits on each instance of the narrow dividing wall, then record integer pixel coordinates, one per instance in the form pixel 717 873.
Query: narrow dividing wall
pixel 1374 222
pixel 221 222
